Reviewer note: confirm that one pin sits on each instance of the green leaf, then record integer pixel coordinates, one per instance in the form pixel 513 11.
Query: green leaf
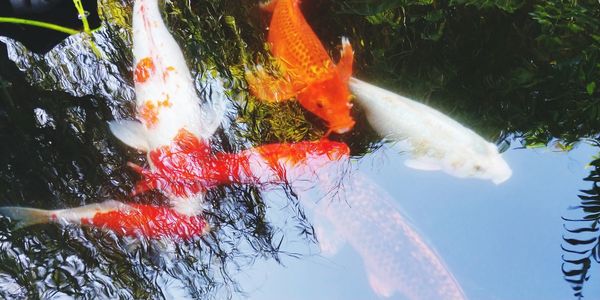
pixel 590 88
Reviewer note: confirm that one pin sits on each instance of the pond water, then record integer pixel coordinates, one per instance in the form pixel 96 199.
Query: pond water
pixel 389 231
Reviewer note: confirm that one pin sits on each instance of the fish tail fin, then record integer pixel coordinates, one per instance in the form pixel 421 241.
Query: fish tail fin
pixel 268 5
pixel 25 216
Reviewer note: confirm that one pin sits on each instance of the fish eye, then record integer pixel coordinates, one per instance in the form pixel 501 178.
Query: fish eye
pixel 320 104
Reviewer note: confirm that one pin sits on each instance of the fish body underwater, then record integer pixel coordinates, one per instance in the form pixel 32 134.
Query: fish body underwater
pixel 168 107
pixel 396 258
pixel 435 141
pixel 271 164
pixel 308 73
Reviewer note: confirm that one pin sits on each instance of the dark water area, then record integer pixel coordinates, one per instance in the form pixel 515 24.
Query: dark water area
pixel 480 65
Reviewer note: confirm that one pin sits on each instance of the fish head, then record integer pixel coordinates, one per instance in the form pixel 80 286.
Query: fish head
pixel 329 100
pixel 485 164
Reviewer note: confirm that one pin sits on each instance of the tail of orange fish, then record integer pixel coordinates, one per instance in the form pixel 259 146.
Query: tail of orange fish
pixel 25 216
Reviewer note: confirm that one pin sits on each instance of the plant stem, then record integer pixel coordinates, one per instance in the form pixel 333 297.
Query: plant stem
pixel 41 24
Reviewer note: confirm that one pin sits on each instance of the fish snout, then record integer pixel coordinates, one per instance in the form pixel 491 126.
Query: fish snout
pixel 342 127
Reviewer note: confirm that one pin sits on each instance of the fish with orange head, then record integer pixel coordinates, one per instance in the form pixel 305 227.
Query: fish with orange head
pixel 307 71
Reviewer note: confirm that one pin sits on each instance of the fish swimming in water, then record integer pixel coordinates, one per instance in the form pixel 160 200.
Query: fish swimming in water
pixel 125 219
pixel 169 108
pixel 435 141
pixel 308 73
pixel 396 258
pixel 270 164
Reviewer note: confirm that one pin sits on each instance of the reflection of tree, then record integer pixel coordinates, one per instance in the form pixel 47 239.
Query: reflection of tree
pixel 582 242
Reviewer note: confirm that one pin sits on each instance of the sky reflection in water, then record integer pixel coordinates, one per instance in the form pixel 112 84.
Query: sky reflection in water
pixel 499 242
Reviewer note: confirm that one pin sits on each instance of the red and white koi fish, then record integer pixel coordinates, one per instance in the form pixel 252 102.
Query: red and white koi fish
pixel 308 73
pixel 197 169
pixel 125 219
pixel 167 103
pixel 169 108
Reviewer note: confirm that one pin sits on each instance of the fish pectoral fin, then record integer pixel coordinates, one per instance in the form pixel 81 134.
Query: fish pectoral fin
pixel 344 66
pixel 132 133
pixel 422 164
pixel 378 283
pixel 269 88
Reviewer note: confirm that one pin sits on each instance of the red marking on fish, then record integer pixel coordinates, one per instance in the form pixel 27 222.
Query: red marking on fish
pixel 144 69
pixel 150 221
pixel 188 166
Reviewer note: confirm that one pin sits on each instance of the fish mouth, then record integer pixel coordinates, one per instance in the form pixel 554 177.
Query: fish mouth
pixel 342 127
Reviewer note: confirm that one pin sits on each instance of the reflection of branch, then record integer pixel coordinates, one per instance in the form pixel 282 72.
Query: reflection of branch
pixel 583 241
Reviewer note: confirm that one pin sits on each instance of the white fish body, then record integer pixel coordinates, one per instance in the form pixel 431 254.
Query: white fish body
pixel 166 99
pixel 436 141
pixel 26 216
pixel 395 256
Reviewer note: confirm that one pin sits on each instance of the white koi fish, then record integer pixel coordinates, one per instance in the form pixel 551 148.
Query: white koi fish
pixel 435 141
pixel 172 118
pixel 395 256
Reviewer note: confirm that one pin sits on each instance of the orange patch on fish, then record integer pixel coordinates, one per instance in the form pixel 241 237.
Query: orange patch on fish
pixel 149 113
pixel 150 110
pixel 144 69
pixel 167 70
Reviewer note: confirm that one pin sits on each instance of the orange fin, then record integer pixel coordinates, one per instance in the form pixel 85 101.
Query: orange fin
pixel 269 88
pixel 344 66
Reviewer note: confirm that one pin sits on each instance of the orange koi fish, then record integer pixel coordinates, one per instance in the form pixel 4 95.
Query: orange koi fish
pixel 168 108
pixel 189 167
pixel 308 73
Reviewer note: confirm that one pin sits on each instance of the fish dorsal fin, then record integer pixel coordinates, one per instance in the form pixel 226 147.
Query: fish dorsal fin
pixel 132 133
pixel 268 6
pixel 422 164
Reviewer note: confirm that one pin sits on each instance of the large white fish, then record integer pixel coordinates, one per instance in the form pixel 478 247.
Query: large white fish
pixel 396 258
pixel 174 121
pixel 435 141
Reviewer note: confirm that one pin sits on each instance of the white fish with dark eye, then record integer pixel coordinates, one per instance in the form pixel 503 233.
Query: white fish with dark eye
pixel 435 141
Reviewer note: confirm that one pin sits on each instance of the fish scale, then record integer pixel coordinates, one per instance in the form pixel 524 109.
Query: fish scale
pixel 303 48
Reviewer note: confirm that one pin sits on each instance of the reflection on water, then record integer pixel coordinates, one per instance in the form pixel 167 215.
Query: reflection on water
pixel 56 152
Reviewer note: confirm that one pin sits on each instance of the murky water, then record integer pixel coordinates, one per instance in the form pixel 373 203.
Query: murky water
pixel 377 229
